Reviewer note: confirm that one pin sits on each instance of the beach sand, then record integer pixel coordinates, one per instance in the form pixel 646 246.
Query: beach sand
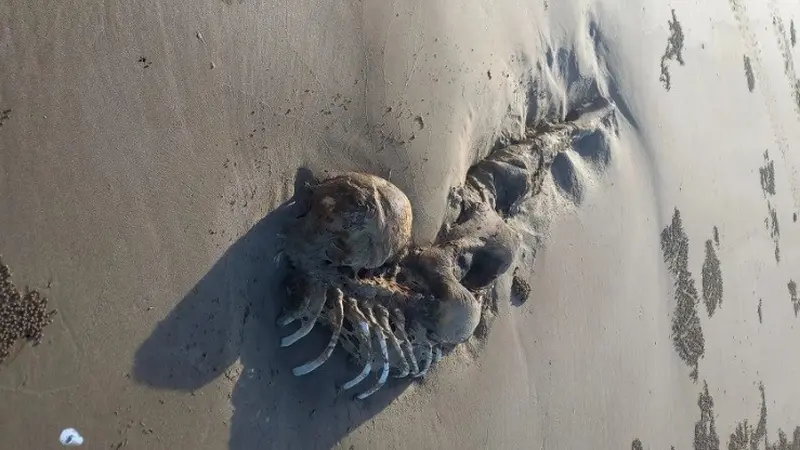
pixel 147 150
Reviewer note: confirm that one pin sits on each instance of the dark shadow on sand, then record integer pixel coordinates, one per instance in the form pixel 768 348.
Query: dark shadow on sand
pixel 567 179
pixel 230 314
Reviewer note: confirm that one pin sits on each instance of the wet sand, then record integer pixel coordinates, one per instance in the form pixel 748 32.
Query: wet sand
pixel 147 152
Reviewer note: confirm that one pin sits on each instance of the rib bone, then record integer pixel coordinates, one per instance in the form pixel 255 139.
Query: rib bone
pixel 377 334
pixel 309 317
pixel 336 316
pixel 423 345
pixel 399 321
pixel 354 315
pixel 382 316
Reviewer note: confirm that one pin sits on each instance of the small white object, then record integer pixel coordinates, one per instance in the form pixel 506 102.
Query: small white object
pixel 71 438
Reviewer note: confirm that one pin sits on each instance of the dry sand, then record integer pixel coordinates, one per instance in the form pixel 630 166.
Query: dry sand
pixel 146 149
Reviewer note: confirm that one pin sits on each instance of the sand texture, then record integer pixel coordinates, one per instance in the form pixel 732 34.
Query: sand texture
pixel 149 151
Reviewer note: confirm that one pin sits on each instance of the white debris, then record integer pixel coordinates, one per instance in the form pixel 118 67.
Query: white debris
pixel 71 438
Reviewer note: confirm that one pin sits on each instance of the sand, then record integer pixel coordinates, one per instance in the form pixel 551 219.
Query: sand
pixel 147 148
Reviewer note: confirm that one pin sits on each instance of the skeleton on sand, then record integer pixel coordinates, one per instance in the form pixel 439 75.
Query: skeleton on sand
pixel 392 306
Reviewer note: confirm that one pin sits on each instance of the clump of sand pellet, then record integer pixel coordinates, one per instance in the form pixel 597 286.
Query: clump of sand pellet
pixel 520 289
pixel 23 315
